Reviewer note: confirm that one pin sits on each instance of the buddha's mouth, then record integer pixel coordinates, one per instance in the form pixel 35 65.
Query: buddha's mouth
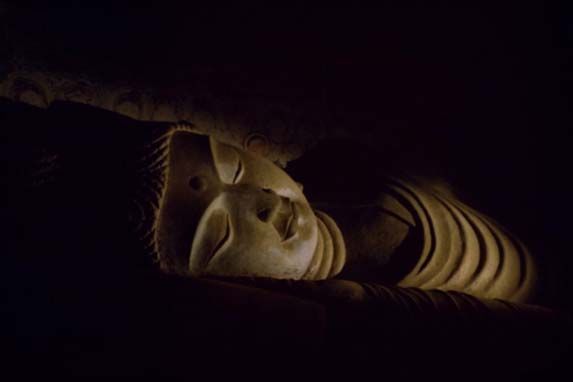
pixel 217 235
pixel 224 238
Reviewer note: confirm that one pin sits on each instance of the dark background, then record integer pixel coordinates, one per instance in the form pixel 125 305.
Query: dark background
pixel 481 93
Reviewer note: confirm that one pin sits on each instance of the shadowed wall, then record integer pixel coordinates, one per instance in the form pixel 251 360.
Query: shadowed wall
pixel 475 96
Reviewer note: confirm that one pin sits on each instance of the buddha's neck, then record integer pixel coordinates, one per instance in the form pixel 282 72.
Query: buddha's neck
pixel 330 252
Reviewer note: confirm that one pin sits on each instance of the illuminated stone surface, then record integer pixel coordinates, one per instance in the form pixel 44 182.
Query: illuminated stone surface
pixel 228 212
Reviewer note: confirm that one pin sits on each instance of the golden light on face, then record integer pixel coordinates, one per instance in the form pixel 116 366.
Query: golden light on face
pixel 228 212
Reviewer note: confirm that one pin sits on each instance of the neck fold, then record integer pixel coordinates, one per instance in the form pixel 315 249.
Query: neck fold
pixel 330 252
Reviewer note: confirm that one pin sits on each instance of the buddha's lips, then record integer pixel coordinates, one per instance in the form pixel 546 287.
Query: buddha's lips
pixel 226 234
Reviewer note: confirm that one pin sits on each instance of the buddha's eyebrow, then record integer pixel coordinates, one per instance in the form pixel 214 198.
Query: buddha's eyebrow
pixel 239 171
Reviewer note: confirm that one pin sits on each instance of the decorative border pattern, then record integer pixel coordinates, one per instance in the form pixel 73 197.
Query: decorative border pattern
pixel 284 128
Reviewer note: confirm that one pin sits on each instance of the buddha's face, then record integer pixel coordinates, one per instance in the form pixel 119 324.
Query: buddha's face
pixel 228 212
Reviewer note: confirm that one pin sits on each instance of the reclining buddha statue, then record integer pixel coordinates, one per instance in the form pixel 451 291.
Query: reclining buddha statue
pixel 205 208
pixel 233 234
pixel 227 212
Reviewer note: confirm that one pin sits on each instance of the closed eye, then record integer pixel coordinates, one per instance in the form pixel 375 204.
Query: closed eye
pixel 238 172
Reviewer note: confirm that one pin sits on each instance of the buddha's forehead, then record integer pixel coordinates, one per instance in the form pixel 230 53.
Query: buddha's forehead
pixel 190 153
pixel 193 179
pixel 195 156
pixel 184 201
